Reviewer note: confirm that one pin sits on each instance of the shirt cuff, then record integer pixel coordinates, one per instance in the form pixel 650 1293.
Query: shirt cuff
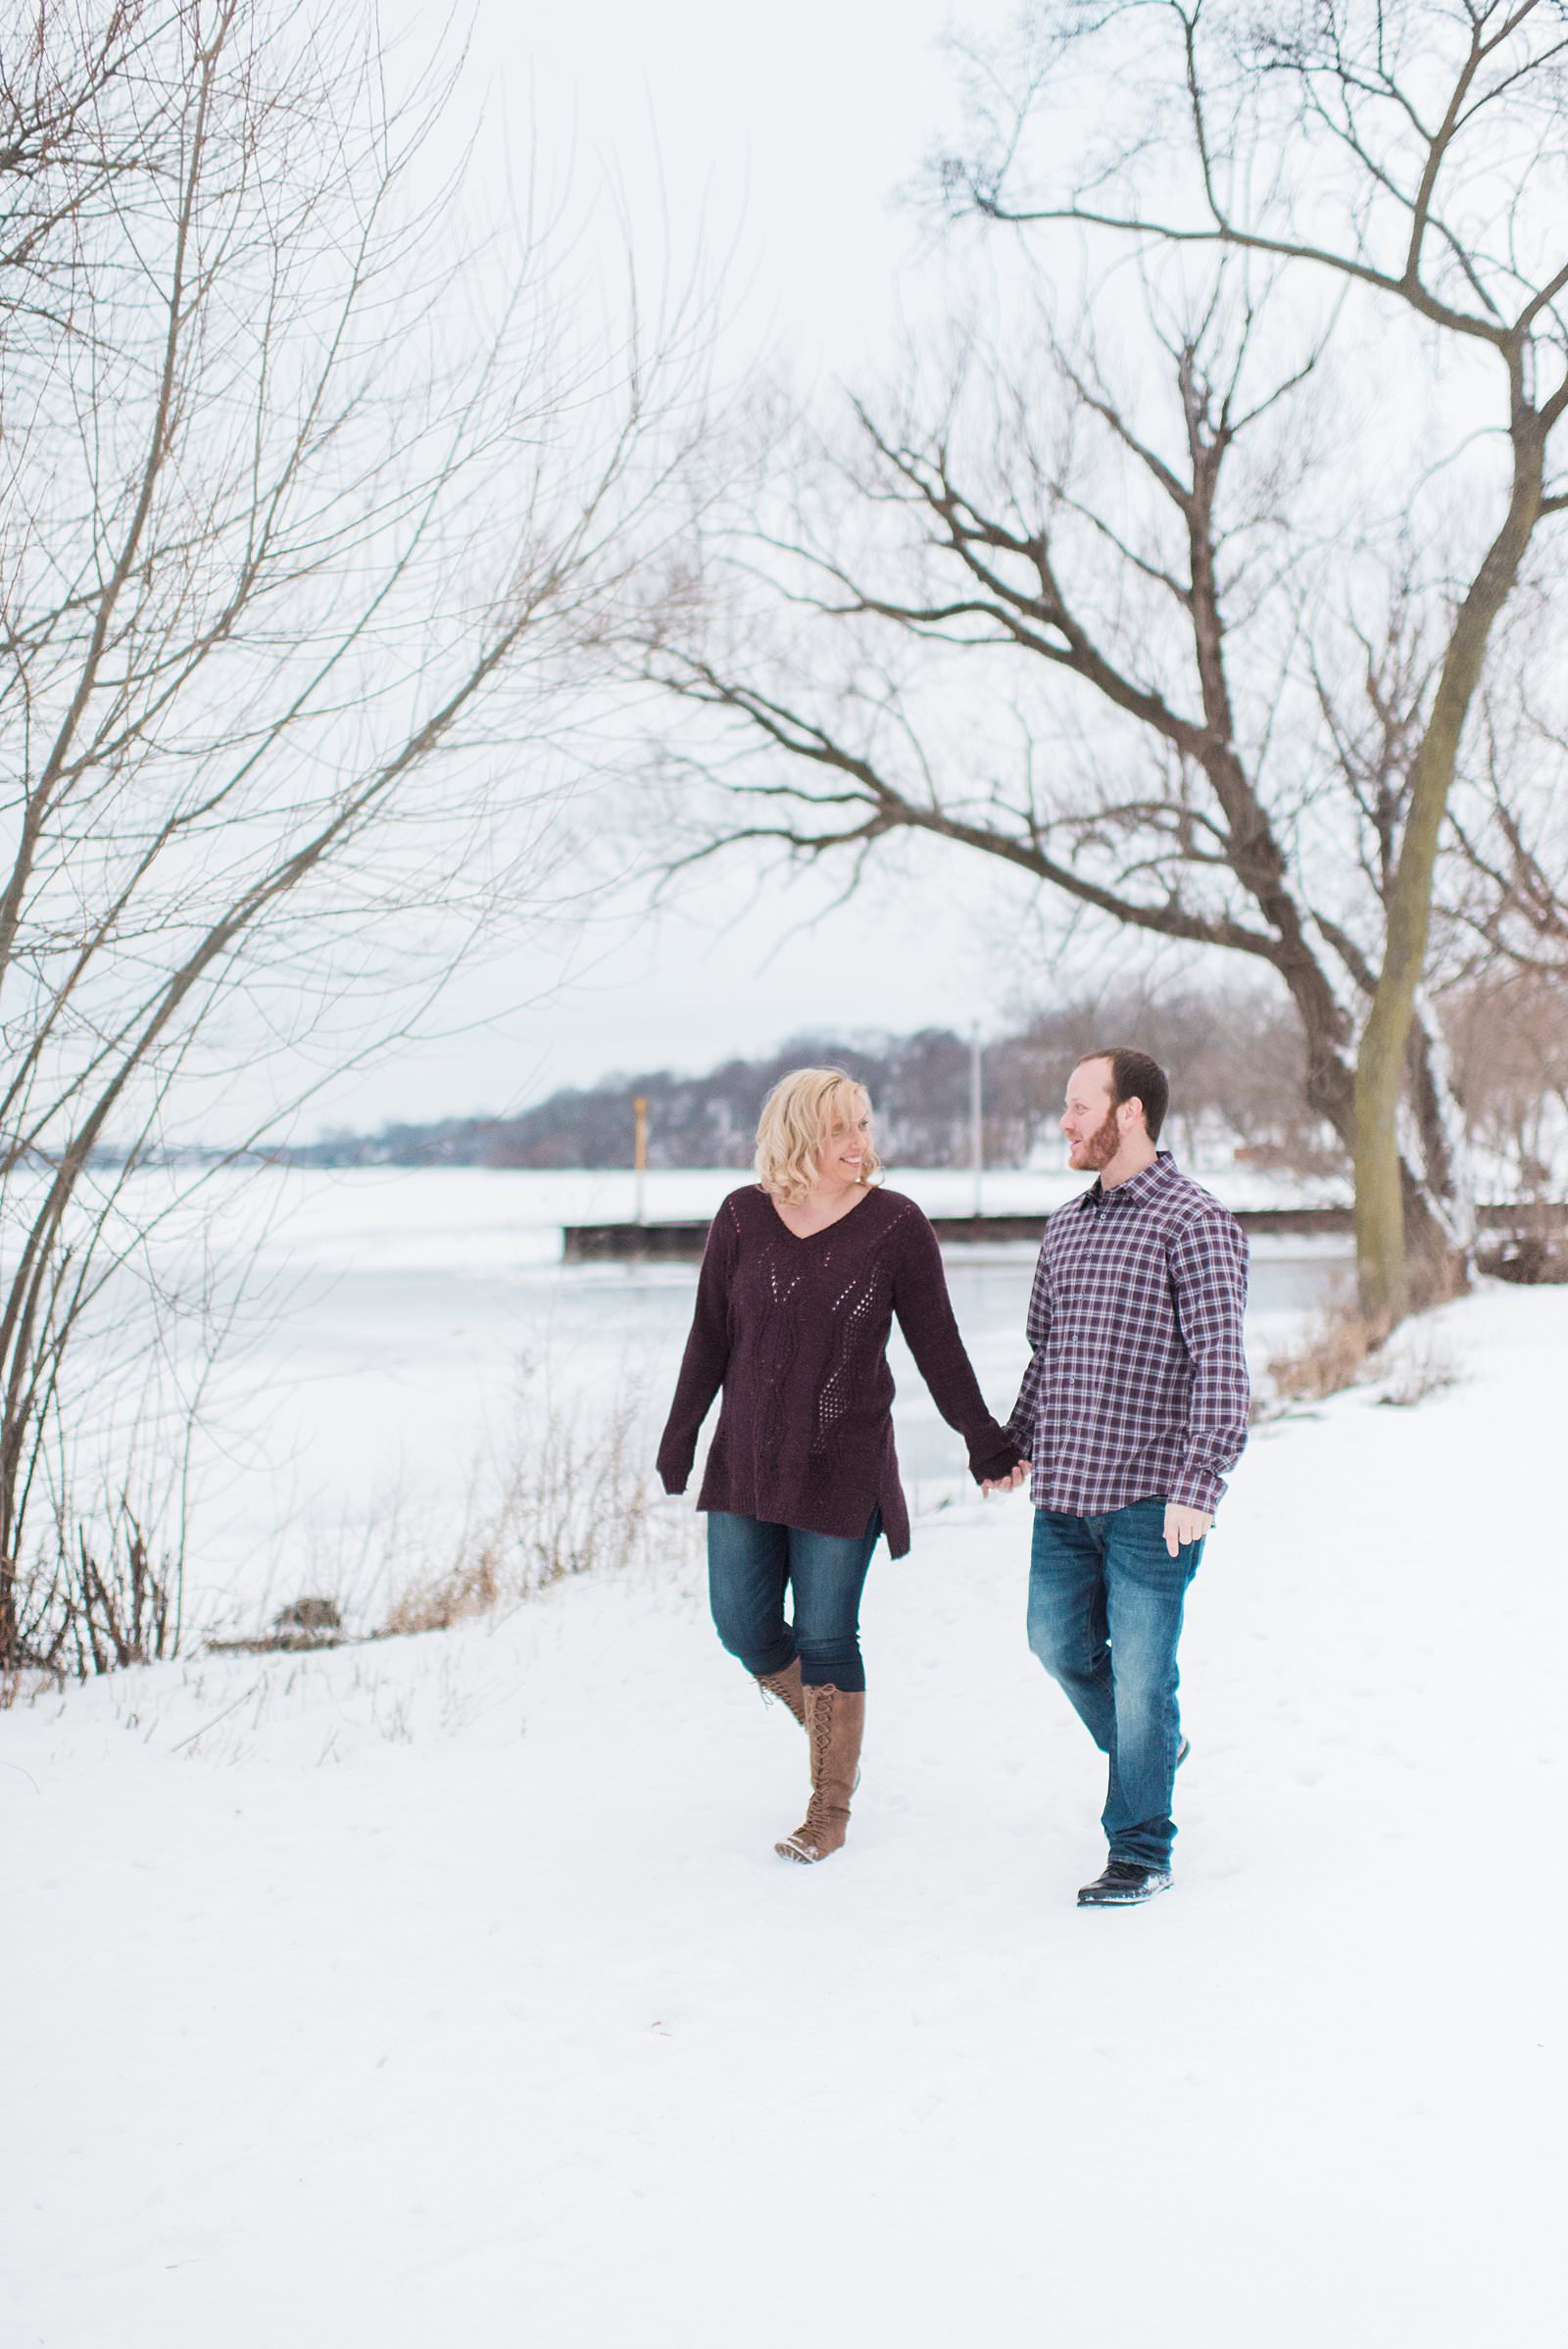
pixel 1195 1489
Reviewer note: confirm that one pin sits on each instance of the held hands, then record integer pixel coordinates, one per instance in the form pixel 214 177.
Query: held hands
pixel 1185 1525
pixel 1008 1483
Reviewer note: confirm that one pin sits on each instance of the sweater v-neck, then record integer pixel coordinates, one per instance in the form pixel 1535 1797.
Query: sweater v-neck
pixel 804 1239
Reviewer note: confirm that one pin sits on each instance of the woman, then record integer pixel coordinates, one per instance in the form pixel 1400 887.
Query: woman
pixel 801 1278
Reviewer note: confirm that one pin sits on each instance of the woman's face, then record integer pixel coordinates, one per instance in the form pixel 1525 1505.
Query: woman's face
pixel 841 1161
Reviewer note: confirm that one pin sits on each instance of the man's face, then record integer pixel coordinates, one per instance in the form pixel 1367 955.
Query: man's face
pixel 1089 1120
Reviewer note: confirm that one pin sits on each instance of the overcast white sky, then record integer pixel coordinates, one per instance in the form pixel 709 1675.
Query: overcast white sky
pixel 780 141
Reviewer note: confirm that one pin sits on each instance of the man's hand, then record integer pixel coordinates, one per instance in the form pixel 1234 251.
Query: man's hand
pixel 1185 1525
pixel 1007 1484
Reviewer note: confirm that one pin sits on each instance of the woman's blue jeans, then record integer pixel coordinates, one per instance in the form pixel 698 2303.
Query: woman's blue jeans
pixel 1106 1602
pixel 752 1565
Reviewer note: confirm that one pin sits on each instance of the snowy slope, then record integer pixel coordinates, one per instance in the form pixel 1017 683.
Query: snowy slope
pixel 450 1992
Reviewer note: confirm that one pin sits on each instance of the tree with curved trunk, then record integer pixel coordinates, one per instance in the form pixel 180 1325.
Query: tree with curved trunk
pixel 1441 134
pixel 1215 669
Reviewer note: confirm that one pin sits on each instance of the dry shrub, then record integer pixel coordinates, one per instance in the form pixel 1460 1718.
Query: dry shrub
pixel 1528 1257
pixel 1424 1366
pixel 1330 1358
pixel 569 1500
pixel 303 1629
pixel 1342 1347
pixel 471 1586
pixel 93 1600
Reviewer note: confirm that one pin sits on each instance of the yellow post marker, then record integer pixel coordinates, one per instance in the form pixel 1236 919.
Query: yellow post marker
pixel 639 1158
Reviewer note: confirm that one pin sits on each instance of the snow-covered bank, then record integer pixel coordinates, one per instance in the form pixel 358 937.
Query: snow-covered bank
pixel 451 1990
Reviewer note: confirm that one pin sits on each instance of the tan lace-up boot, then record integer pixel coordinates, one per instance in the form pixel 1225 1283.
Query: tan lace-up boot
pixel 786 1686
pixel 835 1720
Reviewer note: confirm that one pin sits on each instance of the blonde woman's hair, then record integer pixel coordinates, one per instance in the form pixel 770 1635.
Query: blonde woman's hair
pixel 798 1116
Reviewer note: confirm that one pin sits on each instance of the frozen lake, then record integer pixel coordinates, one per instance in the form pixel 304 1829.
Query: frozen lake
pixel 403 1324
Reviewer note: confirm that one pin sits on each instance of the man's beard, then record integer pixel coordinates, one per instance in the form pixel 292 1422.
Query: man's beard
pixel 1102 1144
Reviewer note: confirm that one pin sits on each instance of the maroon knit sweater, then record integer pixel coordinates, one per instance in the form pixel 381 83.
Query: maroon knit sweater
pixel 796 1333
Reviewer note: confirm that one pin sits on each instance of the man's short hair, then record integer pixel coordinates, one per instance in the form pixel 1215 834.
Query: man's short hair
pixel 1135 1077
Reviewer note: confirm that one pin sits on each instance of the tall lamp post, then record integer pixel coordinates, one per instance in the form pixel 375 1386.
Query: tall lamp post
pixel 976 1127
pixel 639 1160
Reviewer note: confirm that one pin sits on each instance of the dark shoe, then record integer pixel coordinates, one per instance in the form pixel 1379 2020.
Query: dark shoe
pixel 1123 1884
pixel 835 1721
pixel 1182 1752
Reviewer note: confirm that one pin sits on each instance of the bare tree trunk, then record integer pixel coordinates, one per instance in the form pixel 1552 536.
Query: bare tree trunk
pixel 1383 1270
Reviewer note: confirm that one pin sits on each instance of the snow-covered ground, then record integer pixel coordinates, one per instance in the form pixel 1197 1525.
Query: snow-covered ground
pixel 450 1992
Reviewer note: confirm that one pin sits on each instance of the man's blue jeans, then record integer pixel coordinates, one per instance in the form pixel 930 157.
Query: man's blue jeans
pixel 753 1564
pixel 1106 1600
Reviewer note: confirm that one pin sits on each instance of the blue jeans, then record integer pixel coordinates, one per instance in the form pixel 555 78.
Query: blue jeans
pixel 1106 1600
pixel 752 1565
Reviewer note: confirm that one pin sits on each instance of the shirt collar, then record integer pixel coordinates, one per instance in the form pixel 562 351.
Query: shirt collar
pixel 1136 1190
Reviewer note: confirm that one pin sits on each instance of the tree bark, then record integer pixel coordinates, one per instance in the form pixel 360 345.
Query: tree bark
pixel 1382 1267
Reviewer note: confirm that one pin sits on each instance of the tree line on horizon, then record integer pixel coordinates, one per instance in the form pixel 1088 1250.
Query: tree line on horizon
pixel 1235 1075
pixel 1235 1060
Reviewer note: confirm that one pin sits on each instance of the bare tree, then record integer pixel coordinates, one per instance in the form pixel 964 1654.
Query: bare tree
pixel 1235 601
pixel 1509 1034
pixel 310 526
pixel 1507 892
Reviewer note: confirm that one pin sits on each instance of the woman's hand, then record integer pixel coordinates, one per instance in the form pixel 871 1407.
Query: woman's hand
pixel 1007 1484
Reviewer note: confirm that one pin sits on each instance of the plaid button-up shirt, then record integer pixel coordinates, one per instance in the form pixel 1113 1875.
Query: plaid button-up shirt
pixel 1137 1382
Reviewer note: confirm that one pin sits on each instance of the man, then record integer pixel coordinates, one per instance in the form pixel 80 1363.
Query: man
pixel 1133 1407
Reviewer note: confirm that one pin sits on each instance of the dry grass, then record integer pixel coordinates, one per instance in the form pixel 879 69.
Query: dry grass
pixel 573 1497
pixel 470 1586
pixel 1343 1350
pixel 1331 1357
pixel 92 1599
pixel 1526 1257
pixel 1425 1365
pixel 304 1629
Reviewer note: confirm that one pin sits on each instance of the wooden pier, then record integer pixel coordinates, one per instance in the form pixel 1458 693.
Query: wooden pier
pixel 683 1243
